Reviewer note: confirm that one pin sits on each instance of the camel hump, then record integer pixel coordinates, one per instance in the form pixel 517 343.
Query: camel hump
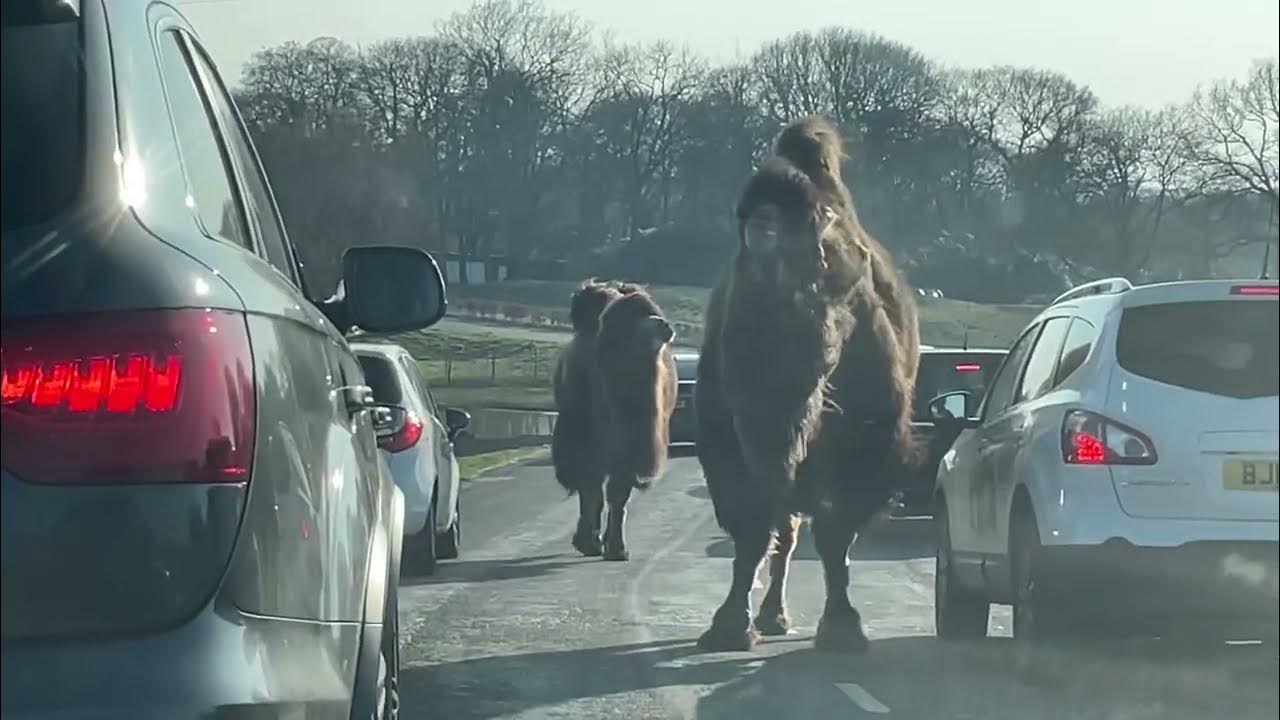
pixel 588 303
pixel 813 144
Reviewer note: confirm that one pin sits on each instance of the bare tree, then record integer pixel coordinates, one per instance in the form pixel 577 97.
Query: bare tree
pixel 642 119
pixel 1133 167
pixel 1236 148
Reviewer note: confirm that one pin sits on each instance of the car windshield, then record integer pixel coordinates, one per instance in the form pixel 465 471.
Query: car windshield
pixel 42 135
pixel 944 372
pixel 1223 347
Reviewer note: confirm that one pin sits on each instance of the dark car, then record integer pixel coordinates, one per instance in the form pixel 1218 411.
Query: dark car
pixel 684 423
pixel 942 370
pixel 196 520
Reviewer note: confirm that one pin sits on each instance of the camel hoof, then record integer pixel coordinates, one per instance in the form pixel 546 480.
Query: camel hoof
pixel 773 624
pixel 722 639
pixel 841 634
pixel 616 554
pixel 588 545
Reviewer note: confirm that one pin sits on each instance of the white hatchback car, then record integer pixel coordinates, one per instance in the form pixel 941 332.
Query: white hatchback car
pixel 420 454
pixel 1120 473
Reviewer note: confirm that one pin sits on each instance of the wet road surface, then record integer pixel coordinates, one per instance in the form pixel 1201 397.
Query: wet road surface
pixel 522 627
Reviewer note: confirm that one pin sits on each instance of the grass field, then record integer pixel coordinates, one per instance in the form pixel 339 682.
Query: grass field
pixel 474 465
pixel 943 322
pixel 475 365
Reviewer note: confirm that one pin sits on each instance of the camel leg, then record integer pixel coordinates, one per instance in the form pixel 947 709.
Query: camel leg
pixel 618 491
pixel 731 627
pixel 840 628
pixel 773 618
pixel 590 504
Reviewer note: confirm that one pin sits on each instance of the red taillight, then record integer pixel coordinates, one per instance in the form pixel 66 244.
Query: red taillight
pixel 1091 439
pixel 968 367
pixel 408 436
pixel 140 397
pixel 1087 449
pixel 1266 290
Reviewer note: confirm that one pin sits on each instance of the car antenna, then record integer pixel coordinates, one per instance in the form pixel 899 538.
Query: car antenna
pixel 965 342
pixel 1266 263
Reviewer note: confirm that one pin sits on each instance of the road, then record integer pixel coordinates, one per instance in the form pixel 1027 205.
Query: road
pixel 522 627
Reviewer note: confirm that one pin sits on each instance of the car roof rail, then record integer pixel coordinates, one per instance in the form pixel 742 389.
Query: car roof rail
pixel 1107 286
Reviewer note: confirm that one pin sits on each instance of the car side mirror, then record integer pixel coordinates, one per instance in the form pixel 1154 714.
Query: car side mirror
pixel 953 409
pixel 387 289
pixel 456 421
pixel 388 421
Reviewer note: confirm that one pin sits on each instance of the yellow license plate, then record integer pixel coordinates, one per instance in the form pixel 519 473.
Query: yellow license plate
pixel 1249 475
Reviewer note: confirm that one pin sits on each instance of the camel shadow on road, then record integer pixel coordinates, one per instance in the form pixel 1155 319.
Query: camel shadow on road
pixel 472 571
pixel 889 539
pixel 914 677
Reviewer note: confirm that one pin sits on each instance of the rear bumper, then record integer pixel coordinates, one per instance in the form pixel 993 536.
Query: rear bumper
pixel 220 665
pixel 1233 584
pixel 407 471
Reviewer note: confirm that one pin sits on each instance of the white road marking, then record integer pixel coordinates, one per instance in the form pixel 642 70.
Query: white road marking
pixel 863 699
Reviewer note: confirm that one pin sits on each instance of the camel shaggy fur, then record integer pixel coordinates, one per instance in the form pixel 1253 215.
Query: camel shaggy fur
pixel 615 391
pixel 804 386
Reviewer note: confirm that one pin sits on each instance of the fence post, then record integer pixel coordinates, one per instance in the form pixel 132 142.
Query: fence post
pixel 493 367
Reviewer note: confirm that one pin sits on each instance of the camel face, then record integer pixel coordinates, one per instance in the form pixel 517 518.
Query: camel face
pixel 658 332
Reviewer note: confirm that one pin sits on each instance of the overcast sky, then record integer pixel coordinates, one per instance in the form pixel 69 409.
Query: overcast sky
pixel 1145 52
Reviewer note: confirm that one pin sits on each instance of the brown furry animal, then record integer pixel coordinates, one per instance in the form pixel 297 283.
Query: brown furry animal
pixel 615 391
pixel 804 385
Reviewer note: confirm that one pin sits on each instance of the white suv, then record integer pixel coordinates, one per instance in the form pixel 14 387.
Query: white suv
pixel 1120 473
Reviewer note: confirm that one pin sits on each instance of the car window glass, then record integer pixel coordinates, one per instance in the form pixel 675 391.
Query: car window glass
pixel 203 156
pixel 380 375
pixel 1224 347
pixel 1001 393
pixel 943 372
pixel 42 144
pixel 1075 349
pixel 261 206
pixel 1038 378
pixel 419 383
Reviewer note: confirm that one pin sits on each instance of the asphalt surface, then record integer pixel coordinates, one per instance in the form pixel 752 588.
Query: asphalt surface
pixel 522 627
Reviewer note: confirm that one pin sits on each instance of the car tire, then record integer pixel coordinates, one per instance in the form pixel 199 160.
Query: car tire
pixel 420 548
pixel 1039 628
pixel 389 660
pixel 958 612
pixel 449 541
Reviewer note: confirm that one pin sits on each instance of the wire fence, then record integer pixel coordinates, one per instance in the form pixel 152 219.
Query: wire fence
pixel 453 359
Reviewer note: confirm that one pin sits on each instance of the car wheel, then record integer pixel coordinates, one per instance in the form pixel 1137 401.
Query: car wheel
pixel 419 553
pixel 1038 626
pixel 389 661
pixel 449 541
pixel 958 612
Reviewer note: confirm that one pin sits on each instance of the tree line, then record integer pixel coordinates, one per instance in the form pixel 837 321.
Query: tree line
pixel 517 130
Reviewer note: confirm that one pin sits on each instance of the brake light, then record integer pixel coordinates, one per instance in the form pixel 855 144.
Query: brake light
pixel 408 436
pixel 1091 439
pixel 968 367
pixel 1264 290
pixel 155 396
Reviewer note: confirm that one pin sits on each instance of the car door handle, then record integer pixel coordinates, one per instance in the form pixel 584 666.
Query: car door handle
pixel 356 397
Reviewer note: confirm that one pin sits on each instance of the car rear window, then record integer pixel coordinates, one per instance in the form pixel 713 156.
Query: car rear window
pixel 380 373
pixel 1226 347
pixel 41 103
pixel 687 368
pixel 944 372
